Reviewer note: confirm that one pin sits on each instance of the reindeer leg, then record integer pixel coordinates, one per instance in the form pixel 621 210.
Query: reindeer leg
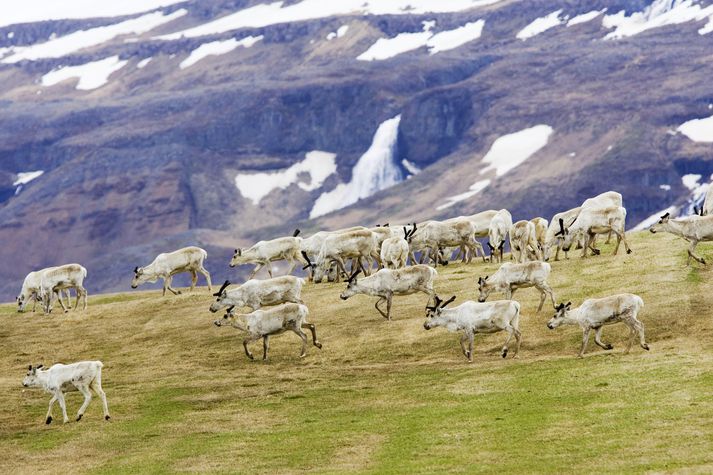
pixel 511 331
pixel 691 248
pixel 265 346
pixel 598 340
pixel 257 268
pixel 194 280
pixel 640 330
pixel 470 346
pixel 389 298
pixel 313 330
pixel 304 341
pixel 585 340
pixel 169 280
pixel 48 419
pixel 249 339
pixel 206 274
pixel 269 268
pixel 87 399
pixel 463 338
pixel 376 306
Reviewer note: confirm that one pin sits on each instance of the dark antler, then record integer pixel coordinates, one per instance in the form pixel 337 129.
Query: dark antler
pixel 448 301
pixel 222 288
pixel 309 263
pixel 136 270
pixel 665 215
pixel 296 233
pixel 353 276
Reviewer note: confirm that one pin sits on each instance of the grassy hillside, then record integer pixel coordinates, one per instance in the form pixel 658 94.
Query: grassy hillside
pixel 379 397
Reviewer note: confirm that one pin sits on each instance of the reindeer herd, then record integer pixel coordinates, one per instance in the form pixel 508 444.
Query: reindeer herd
pixel 395 260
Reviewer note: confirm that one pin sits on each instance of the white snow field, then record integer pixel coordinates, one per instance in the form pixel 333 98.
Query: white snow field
pixel 78 40
pixel 698 130
pixel 509 151
pixel 266 14
pixel 29 11
pixel 374 171
pixel 451 39
pixel 91 75
pixel 659 13
pixel 540 25
pixel 317 164
pixel 215 48
pixel 341 31
pixel 25 177
pixel 143 63
pixel 585 17
pixel 474 189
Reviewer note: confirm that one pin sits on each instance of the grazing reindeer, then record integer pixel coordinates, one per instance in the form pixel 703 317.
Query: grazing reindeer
pixel 481 224
pixel 498 232
pixel 389 282
pixel 31 290
pixel 263 253
pixel 523 240
pixel 61 378
pixel 166 265
pixel 592 221
pixel 511 277
pixel 395 250
pixel 557 230
pixel 541 225
pixel 353 245
pixel 594 314
pixel 273 321
pixel 693 230
pixel 56 279
pixel 473 317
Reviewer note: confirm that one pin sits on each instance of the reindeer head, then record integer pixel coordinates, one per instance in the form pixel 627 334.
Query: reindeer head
pixel 237 258
pixel 139 277
pixel 484 287
pixel 31 380
pixel 660 225
pixel 351 286
pixel 433 312
pixel 220 295
pixel 561 312
pixel 408 234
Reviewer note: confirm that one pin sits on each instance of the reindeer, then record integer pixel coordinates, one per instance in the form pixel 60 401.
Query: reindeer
pixel 389 282
pixel 273 321
pixel 693 230
pixel 258 293
pixel 436 235
pixel 511 277
pixel 594 314
pixel 395 250
pixel 481 224
pixel 541 225
pixel 523 240
pixel 498 231
pixel 557 230
pixel 166 265
pixel 474 317
pixel 60 278
pixel 263 253
pixel 591 222
pixel 349 245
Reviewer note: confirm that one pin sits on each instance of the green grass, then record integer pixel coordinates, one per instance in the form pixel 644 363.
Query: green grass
pixel 381 397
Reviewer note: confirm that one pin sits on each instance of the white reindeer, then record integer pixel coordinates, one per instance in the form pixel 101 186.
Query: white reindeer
pixel 498 232
pixel 523 241
pixel 68 276
pixel 510 277
pixel 166 265
pixel 31 291
pixel 435 235
pixel 594 314
pixel 481 224
pixel 61 378
pixel 395 250
pixel 557 230
pixel 474 317
pixel 353 245
pixel 389 282
pixel 607 199
pixel 259 293
pixel 541 225
pixel 263 253
pixel 592 221
pixel 272 321
pixel 693 230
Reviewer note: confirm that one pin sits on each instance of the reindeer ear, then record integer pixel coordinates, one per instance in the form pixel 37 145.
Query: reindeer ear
pixel 30 368
pixel 568 304
pixel 39 366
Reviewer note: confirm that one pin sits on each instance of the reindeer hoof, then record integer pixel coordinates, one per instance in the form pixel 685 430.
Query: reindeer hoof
pixel 703 261
pixel 609 347
pixel 505 352
pixel 596 252
pixel 628 251
pixel 251 357
pixel 106 418
pixel 646 347
pixel 79 417
pixel 178 292
pixel 49 420
pixel 318 345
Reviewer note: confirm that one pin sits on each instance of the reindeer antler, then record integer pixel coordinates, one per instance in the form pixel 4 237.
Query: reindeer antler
pixel 448 301
pixel 222 288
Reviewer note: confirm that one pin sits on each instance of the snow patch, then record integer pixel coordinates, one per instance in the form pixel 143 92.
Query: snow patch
pixel 451 39
pixel 509 151
pixel 653 219
pixel 341 31
pixel 659 13
pixel 585 17
pixel 24 178
pixel 474 189
pixel 91 75
pixel 698 130
pixel 216 48
pixel 319 165
pixel 64 45
pixel 540 25
pixel 11 35
pixel 665 187
pixel 691 181
pixel 30 11
pixel 374 171
pixel 266 14
pixel 410 167
pixel 142 64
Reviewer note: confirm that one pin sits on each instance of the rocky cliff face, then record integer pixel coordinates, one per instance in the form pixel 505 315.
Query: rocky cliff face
pixel 147 161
